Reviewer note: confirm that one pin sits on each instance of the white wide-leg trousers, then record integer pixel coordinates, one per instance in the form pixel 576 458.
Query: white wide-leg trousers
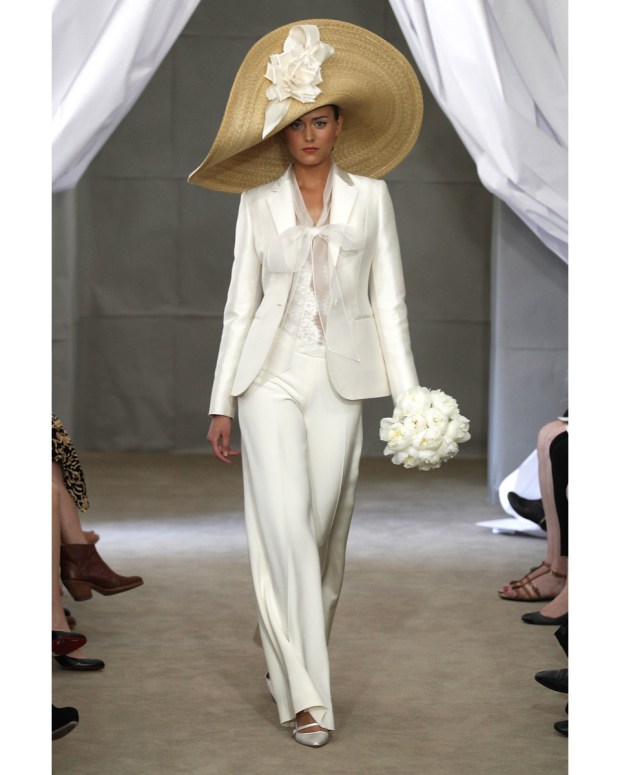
pixel 301 444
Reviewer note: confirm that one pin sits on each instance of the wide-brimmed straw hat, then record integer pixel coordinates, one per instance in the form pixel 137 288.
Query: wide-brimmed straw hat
pixel 302 66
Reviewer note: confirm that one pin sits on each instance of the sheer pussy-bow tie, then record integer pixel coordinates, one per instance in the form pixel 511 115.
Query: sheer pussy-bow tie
pixel 290 250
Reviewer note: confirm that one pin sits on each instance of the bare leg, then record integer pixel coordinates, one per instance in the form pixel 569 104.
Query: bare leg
pixel 546 435
pixel 545 579
pixel 559 605
pixel 59 620
pixel 70 526
pixel 91 536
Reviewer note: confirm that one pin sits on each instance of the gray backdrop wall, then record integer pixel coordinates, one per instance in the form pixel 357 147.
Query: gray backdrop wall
pixel 529 336
pixel 142 259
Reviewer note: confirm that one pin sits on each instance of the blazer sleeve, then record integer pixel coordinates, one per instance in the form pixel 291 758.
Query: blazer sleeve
pixel 244 295
pixel 387 297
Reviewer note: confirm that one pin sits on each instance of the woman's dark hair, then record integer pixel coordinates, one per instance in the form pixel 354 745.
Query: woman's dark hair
pixel 336 110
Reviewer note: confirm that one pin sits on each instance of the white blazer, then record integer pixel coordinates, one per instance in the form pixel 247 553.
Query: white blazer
pixel 371 286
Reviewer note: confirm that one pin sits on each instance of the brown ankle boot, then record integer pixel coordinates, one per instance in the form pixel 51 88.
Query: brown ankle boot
pixel 82 570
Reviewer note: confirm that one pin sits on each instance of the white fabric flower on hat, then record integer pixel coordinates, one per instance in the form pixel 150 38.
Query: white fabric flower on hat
pixel 295 73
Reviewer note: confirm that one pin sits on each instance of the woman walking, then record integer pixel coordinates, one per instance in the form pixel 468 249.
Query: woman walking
pixel 315 320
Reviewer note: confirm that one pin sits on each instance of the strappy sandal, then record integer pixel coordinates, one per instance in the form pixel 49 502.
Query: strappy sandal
pixel 528 576
pixel 312 739
pixel 530 592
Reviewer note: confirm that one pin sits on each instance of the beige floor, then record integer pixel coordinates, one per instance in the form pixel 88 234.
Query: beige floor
pixel 432 673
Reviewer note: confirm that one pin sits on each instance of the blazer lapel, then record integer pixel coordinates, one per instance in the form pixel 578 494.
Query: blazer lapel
pixel 344 194
pixel 280 203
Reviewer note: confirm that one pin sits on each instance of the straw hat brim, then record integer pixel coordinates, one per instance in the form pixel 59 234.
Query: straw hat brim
pixel 371 81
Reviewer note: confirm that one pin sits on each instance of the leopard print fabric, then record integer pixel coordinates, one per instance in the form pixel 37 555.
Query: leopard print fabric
pixel 63 453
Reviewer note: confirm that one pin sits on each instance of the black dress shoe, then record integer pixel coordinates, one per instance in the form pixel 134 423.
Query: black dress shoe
pixel 561 635
pixel 530 509
pixel 561 727
pixel 554 679
pixel 65 642
pixel 63 721
pixel 72 663
pixel 535 617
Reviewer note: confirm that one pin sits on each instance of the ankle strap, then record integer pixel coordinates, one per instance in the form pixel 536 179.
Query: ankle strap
pixel 307 726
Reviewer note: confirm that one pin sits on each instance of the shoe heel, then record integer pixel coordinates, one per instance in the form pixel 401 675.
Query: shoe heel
pixel 79 590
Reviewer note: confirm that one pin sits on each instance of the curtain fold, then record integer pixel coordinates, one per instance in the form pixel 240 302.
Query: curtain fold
pixel 499 71
pixel 103 55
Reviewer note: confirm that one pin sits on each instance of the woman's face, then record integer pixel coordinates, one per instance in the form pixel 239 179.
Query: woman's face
pixel 310 139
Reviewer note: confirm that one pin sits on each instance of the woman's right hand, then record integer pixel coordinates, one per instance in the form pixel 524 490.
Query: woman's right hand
pixel 219 437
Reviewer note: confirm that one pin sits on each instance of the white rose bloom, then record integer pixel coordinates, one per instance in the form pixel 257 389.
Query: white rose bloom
pixel 427 441
pixel 448 449
pixel 384 428
pixel 416 423
pixel 429 465
pixel 437 420
pixel 399 458
pixel 444 403
pixel 458 429
pixel 415 401
pixel 396 437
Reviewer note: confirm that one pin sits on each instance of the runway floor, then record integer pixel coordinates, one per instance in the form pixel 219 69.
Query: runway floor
pixel 432 673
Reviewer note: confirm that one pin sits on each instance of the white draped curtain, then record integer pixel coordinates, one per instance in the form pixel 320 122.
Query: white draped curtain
pixel 104 53
pixel 499 71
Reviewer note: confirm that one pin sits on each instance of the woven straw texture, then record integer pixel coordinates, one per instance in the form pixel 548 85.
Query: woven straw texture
pixel 374 85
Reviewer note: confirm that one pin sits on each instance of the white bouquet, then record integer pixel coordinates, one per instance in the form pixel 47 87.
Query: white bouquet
pixel 425 429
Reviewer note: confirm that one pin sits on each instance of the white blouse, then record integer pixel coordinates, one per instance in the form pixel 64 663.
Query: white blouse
pixel 308 304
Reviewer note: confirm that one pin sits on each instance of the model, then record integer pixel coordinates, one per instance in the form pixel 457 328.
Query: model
pixel 315 320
